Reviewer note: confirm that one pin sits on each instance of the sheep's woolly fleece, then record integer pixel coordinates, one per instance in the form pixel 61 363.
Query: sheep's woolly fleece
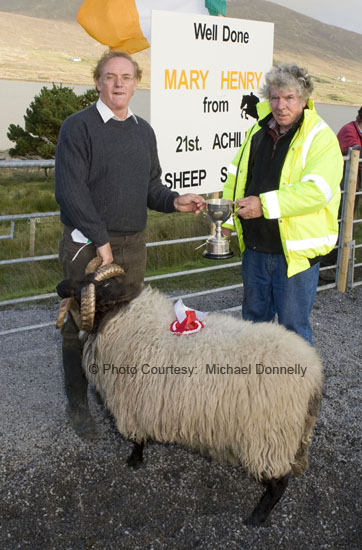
pixel 259 420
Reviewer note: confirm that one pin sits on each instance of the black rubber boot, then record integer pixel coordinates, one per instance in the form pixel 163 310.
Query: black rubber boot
pixel 76 386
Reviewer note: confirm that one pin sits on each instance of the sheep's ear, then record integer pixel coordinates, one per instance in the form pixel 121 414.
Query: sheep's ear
pixel 115 291
pixel 66 288
pixel 130 292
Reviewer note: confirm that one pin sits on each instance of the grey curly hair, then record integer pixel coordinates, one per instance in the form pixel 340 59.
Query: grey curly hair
pixel 285 76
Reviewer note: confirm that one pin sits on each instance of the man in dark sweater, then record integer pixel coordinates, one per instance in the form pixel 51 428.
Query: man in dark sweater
pixel 107 174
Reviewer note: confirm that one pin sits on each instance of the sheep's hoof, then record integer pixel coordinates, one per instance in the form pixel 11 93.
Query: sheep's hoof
pixel 134 462
pixel 275 488
pixel 253 521
pixel 136 457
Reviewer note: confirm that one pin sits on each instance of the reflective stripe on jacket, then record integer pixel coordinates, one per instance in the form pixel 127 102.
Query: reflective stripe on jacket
pixel 306 203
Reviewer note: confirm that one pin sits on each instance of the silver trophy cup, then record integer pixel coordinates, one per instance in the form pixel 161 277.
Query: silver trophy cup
pixel 217 246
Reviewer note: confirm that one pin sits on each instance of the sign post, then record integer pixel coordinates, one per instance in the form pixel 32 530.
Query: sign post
pixel 201 66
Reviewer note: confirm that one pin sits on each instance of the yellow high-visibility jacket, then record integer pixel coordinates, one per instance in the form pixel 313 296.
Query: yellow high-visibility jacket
pixel 306 203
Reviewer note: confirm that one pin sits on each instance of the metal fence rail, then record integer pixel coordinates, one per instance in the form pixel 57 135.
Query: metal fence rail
pixel 33 216
pixel 37 163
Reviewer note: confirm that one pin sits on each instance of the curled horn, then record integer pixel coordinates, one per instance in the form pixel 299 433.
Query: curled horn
pixel 88 294
pixel 63 309
pixel 108 271
pixel 93 265
pixel 105 272
pixel 88 307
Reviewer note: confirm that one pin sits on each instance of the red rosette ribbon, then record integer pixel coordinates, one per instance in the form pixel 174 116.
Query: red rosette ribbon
pixel 189 323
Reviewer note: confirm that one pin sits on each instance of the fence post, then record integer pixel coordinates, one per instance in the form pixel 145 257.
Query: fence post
pixel 345 241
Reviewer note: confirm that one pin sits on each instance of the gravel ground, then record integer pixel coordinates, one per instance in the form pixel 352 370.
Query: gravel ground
pixel 59 492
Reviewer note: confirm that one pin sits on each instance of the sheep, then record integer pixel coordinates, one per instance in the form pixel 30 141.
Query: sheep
pixel 242 393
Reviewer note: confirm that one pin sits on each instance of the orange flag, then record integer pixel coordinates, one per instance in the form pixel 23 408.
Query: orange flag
pixel 126 24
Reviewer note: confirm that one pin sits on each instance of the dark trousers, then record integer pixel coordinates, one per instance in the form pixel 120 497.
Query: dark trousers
pixel 130 253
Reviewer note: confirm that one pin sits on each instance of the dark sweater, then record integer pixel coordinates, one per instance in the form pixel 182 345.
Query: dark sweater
pixel 107 174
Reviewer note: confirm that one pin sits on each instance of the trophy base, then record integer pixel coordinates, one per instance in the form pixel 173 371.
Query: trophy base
pixel 214 256
pixel 217 248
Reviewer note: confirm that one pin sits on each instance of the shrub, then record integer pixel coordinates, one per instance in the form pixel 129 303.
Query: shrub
pixel 43 119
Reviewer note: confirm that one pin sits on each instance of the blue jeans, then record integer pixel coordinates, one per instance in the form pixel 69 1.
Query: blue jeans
pixel 269 292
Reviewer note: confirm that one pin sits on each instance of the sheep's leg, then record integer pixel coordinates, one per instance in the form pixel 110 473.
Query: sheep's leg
pixel 135 459
pixel 275 489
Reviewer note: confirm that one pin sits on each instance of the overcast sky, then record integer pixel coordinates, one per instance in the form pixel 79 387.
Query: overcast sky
pixel 341 13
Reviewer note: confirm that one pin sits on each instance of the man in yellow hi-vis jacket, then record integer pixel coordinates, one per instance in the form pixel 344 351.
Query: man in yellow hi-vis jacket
pixel 285 181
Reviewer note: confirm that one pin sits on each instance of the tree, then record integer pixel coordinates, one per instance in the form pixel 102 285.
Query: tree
pixel 43 119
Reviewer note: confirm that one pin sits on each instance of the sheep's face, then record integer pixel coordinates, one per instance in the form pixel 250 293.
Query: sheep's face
pixel 108 292
pixel 96 293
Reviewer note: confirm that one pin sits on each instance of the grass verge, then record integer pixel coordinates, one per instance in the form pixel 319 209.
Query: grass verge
pixel 32 190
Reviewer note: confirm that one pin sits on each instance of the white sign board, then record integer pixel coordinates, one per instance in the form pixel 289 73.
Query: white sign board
pixel 201 66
